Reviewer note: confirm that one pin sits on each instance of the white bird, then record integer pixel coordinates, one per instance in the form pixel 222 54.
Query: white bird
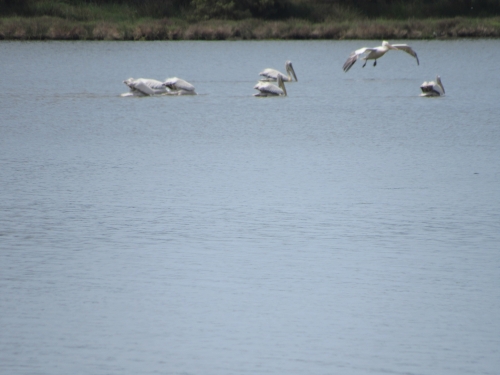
pixel 376 53
pixel 178 86
pixel 268 89
pixel 144 87
pixel 273 74
pixel 432 88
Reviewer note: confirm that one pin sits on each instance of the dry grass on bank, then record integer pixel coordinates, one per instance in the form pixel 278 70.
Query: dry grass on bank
pixel 55 28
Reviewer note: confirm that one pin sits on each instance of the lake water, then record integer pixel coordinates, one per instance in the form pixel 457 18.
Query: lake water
pixel 352 227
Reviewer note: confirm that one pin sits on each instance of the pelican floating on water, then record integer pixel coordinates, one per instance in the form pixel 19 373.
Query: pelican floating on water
pixel 178 86
pixel 273 74
pixel 432 88
pixel 144 87
pixel 268 89
pixel 376 53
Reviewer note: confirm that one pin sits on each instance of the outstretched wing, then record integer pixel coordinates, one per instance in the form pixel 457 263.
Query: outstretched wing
pixel 353 57
pixel 407 49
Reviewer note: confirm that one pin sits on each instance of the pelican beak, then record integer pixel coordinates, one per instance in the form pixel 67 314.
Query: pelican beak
pixel 291 71
pixel 281 84
pixel 438 79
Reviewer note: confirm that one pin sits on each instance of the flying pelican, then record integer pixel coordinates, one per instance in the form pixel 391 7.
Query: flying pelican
pixel 432 88
pixel 375 53
pixel 273 74
pixel 268 89
pixel 178 86
pixel 144 87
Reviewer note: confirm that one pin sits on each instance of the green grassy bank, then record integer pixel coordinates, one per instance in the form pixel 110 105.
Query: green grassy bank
pixel 247 19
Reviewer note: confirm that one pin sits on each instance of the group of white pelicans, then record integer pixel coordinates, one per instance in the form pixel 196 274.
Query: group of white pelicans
pixel 177 86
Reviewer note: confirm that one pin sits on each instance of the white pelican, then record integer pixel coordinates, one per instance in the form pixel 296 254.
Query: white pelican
pixel 432 88
pixel 375 53
pixel 273 74
pixel 144 87
pixel 178 86
pixel 268 89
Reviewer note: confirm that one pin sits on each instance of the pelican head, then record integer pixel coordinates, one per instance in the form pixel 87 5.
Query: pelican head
pixel 290 70
pixel 387 45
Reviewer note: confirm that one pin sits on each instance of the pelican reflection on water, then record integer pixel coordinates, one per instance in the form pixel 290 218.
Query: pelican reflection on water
pixel 376 53
pixel 271 75
pixel 432 88
pixel 269 89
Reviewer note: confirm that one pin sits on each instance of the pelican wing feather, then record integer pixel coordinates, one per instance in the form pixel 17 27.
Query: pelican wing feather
pixel 178 84
pixel 268 89
pixel 146 86
pixel 273 74
pixel 353 57
pixel 407 49
pixel 270 73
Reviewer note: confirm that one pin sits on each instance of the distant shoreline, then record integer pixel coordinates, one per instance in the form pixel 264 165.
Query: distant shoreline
pixel 55 28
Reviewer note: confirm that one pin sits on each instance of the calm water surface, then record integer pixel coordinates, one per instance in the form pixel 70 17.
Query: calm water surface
pixel 350 228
